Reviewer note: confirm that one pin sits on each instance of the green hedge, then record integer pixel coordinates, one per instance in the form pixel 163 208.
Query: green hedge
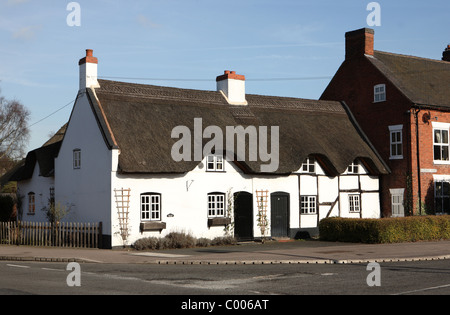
pixel 386 230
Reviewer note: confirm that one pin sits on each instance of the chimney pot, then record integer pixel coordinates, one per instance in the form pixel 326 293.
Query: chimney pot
pixel 446 54
pixel 88 70
pixel 232 86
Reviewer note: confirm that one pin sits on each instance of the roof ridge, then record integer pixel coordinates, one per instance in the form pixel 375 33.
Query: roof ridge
pixel 412 57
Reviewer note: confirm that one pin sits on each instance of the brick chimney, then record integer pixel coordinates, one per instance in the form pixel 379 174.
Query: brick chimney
pixel 88 70
pixel 359 43
pixel 232 86
pixel 446 54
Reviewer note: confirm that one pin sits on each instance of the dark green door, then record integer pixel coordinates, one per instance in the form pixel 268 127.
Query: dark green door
pixel 279 207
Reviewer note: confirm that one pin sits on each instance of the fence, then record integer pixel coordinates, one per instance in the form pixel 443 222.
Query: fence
pixel 62 234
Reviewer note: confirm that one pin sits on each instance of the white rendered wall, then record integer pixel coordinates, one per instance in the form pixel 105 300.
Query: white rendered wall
pixel 41 187
pixel 86 190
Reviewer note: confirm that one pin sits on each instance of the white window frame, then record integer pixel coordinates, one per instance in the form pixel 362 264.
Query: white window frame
pixel 308 204
pixel 397 198
pixel 353 168
pixel 442 127
pixel 308 166
pixel 379 93
pixel 216 205
pixel 396 141
pixel 150 207
pixel 215 163
pixel 354 203
pixel 76 159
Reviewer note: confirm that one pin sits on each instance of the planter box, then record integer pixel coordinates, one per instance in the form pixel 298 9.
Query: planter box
pixel 152 226
pixel 218 221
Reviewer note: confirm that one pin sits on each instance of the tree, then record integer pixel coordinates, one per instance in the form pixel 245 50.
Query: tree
pixel 14 133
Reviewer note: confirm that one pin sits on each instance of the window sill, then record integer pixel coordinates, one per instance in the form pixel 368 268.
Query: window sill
pixel 152 226
pixel 218 221
pixel 438 162
pixel 398 157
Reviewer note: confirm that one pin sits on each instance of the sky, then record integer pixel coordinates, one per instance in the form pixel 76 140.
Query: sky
pixel 283 47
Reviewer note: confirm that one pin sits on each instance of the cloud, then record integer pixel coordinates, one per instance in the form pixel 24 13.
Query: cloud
pixel 26 32
pixel 146 22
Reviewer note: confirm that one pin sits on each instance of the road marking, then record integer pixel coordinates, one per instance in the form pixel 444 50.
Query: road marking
pixel 425 289
pixel 17 266
pixel 160 255
pixel 52 269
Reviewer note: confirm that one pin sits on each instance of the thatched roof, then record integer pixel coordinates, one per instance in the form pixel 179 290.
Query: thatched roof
pixel 138 119
pixel 44 156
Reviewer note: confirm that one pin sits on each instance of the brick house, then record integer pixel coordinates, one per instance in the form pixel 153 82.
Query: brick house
pixel 402 103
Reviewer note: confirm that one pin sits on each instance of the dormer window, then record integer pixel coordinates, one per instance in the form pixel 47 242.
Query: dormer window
pixel 379 93
pixel 308 166
pixel 214 163
pixel 353 168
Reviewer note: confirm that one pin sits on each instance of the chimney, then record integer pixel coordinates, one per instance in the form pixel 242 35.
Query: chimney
pixel 232 86
pixel 446 54
pixel 359 43
pixel 88 70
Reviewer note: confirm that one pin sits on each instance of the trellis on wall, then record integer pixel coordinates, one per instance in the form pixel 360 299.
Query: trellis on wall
pixel 122 196
pixel 262 197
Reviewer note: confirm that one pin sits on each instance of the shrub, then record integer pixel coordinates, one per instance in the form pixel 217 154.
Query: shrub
pixel 386 230
pixel 180 240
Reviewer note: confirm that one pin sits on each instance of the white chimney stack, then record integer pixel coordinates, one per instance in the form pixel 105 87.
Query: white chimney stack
pixel 88 70
pixel 232 86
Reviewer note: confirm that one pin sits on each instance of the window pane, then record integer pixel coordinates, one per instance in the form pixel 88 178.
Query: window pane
pixel 437 136
pixel 444 136
pixel 444 156
pixel 437 152
pixel 399 150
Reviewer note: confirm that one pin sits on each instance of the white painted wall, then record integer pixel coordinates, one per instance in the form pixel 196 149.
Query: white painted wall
pixel 86 190
pixel 41 187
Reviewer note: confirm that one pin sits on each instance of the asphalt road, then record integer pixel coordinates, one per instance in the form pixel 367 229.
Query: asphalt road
pixel 402 278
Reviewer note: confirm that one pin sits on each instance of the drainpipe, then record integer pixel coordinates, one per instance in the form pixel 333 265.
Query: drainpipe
pixel 419 190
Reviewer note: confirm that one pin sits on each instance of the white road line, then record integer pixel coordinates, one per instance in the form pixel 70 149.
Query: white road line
pixel 160 255
pixel 18 266
pixel 52 269
pixel 425 289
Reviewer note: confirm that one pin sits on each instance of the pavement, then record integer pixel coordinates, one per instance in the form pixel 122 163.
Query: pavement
pixel 272 252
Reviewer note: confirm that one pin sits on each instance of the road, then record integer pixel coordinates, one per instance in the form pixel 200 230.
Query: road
pixel 423 277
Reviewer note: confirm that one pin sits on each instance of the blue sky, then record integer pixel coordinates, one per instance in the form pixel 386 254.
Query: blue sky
pixel 187 43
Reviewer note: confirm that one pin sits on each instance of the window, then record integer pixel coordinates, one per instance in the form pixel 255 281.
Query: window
pixel 379 93
pixel 440 144
pixel 442 197
pixel 353 168
pixel 396 144
pixel 216 205
pixel 354 203
pixel 308 205
pixel 397 202
pixel 214 163
pixel 77 159
pixel 308 166
pixel 151 207
pixel 31 203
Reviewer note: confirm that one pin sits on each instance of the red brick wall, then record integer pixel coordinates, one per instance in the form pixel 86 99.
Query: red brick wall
pixel 427 165
pixel 354 83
